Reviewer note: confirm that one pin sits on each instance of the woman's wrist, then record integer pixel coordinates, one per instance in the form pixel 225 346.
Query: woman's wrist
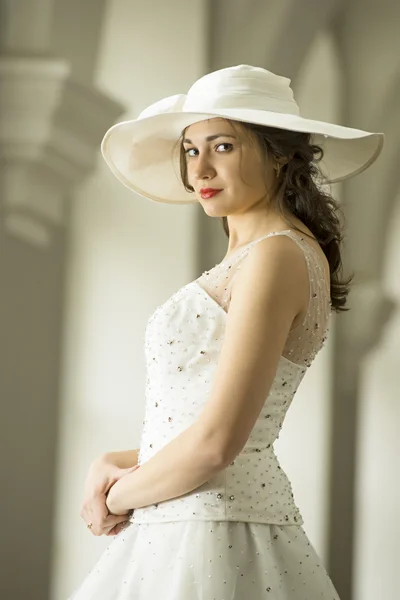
pixel 113 501
pixel 109 502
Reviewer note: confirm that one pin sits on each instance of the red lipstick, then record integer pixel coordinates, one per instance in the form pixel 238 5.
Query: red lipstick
pixel 209 192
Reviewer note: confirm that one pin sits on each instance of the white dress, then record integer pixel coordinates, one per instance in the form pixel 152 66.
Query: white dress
pixel 239 535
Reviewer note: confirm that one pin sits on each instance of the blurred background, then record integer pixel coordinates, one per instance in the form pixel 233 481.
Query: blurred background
pixel 84 262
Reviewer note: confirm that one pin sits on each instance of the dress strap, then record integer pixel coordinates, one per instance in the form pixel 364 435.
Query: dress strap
pixel 250 245
pixel 305 339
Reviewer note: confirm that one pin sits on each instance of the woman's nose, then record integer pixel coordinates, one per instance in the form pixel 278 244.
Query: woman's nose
pixel 203 168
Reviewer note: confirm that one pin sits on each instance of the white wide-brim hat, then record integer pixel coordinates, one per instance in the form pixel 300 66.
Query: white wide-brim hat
pixel 144 153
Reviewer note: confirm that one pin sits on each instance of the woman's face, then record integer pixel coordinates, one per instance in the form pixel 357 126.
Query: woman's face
pixel 216 158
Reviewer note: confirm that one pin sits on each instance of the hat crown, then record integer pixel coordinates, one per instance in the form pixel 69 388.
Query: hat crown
pixel 242 86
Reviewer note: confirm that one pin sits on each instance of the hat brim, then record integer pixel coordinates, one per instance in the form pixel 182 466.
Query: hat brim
pixel 144 155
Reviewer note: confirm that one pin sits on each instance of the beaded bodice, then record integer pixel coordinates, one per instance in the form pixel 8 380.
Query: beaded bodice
pixel 183 340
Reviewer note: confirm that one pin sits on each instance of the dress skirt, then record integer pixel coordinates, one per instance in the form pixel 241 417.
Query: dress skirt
pixel 208 560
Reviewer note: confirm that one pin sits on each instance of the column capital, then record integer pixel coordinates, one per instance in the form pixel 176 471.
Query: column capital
pixel 50 133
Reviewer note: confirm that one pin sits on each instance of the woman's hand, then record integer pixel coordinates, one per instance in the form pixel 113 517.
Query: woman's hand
pixel 94 511
pixel 102 475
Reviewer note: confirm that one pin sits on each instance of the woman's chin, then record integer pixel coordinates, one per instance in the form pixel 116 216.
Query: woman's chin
pixel 213 210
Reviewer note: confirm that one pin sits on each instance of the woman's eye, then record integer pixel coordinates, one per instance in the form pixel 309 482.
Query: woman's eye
pixel 188 150
pixel 225 144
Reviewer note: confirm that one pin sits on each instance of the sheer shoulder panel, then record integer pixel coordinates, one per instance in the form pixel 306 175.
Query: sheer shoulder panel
pixel 306 339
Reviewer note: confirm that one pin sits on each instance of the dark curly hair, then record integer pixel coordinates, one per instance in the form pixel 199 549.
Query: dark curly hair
pixel 298 193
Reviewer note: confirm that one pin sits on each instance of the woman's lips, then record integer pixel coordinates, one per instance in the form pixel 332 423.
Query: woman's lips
pixel 209 193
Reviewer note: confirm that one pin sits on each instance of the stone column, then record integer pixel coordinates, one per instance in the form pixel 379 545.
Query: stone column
pixel 50 131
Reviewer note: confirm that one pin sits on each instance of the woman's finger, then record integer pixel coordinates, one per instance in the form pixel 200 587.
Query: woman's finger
pixel 116 474
pixel 112 520
pixel 122 472
pixel 96 513
pixel 117 529
pixel 111 523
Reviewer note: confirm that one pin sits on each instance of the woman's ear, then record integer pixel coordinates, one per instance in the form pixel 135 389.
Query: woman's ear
pixel 285 159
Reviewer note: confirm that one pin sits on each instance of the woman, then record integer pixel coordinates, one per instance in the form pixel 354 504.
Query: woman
pixel 210 514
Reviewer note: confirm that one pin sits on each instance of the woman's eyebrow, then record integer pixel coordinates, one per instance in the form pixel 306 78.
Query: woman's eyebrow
pixel 210 138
